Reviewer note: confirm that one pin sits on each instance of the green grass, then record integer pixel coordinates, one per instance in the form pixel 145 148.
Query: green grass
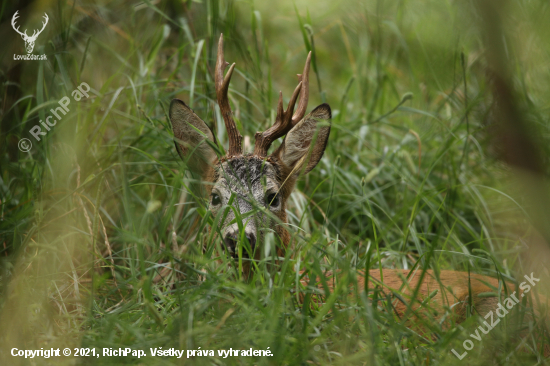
pixel 101 231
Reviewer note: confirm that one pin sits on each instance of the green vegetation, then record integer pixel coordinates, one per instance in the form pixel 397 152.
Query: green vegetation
pixel 101 236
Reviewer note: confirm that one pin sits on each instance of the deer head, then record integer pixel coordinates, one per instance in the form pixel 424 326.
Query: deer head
pixel 248 192
pixel 29 40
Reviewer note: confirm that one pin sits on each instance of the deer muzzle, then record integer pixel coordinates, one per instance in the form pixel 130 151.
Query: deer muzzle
pixel 231 242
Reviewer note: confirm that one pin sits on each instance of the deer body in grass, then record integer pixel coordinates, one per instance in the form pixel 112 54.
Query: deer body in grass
pixel 257 186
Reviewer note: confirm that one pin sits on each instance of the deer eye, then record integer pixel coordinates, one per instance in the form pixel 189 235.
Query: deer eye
pixel 216 200
pixel 272 199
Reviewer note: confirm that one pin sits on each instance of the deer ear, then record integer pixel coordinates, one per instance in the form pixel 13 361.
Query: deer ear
pixel 305 143
pixel 190 143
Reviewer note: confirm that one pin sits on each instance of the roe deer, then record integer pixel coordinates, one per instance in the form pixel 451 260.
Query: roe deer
pixel 255 187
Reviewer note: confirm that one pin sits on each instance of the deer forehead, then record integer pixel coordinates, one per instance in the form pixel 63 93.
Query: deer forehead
pixel 246 174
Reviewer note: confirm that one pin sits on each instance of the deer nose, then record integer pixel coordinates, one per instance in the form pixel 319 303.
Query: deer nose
pixel 252 240
pixel 230 241
pixel 231 244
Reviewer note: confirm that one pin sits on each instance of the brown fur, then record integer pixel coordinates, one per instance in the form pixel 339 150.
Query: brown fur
pixel 452 291
pixel 451 300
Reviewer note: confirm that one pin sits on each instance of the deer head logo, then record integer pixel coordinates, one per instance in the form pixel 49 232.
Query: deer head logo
pixel 29 40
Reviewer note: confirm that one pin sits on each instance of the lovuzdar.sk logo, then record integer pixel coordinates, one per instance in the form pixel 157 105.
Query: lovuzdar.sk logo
pixel 29 40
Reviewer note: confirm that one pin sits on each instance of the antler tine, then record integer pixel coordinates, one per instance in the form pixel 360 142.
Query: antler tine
pixel 285 120
pixel 37 32
pixel 44 23
pixel 222 86
pixel 13 19
pixel 304 98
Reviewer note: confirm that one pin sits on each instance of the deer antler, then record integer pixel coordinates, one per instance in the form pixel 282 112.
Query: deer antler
pixel 36 33
pixel 15 16
pixel 285 120
pixel 222 85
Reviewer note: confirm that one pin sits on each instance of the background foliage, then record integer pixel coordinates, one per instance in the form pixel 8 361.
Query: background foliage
pixel 101 235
